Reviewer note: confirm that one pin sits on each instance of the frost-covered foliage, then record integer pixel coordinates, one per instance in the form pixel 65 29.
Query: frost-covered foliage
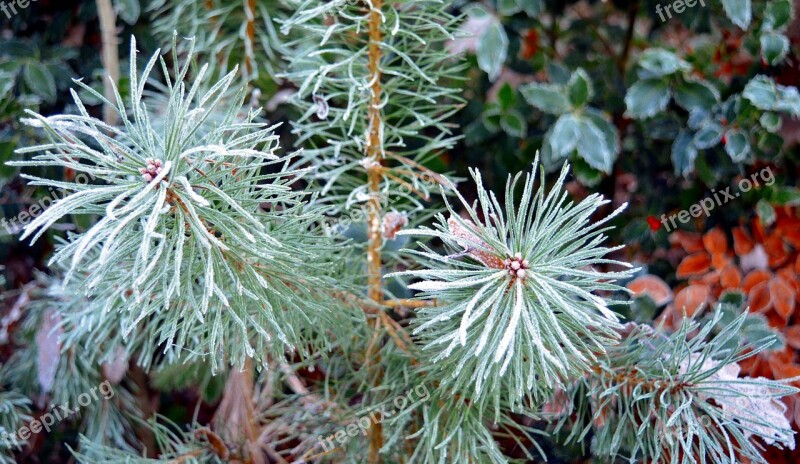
pixel 200 229
pixel 392 110
pixel 678 398
pixel 518 314
pixel 203 262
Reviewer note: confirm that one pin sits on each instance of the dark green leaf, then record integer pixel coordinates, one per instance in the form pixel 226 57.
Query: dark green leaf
pixel 40 81
pixel 691 94
pixel 579 89
pixel 684 153
pixel 778 14
pixel 507 97
pixel 770 121
pixel 514 124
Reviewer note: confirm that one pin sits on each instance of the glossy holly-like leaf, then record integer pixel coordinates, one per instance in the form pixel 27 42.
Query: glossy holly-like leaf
pixel 657 62
pixel 40 80
pixel 593 147
pixel 508 7
pixel 514 124
pixel 778 14
pixel 766 95
pixel 684 153
pixel 740 12
pixel 708 136
pixel 564 136
pixel 549 98
pixel 7 82
pixel 696 94
pixel 646 98
pixel 493 50
pixel 579 89
pixel 774 47
pixel 507 97
pixel 737 145
pixel 770 121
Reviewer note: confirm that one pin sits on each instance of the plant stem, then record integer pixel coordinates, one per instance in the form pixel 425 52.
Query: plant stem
pixel 374 168
pixel 250 35
pixel 622 63
pixel 108 29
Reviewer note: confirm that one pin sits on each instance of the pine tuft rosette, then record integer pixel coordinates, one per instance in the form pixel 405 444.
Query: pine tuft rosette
pixel 518 291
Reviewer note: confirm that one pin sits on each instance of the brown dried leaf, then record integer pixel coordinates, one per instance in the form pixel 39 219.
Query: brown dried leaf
pixel 692 299
pixel 473 244
pixel 652 286
pixel 392 223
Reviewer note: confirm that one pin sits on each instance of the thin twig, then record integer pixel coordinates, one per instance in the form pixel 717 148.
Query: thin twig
pixel 108 28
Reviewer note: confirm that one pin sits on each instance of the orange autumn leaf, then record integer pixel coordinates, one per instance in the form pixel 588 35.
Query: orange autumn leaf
pixel 652 286
pixel 715 241
pixel 692 299
pixel 784 371
pixel 797 265
pixel 789 276
pixel 792 236
pixel 792 336
pixel 754 278
pixel 759 298
pixel 730 277
pixel 692 265
pixel 785 355
pixel 758 230
pixel 720 261
pixel 742 243
pixel 776 250
pixel 775 320
pixel 782 297
pixel 691 242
